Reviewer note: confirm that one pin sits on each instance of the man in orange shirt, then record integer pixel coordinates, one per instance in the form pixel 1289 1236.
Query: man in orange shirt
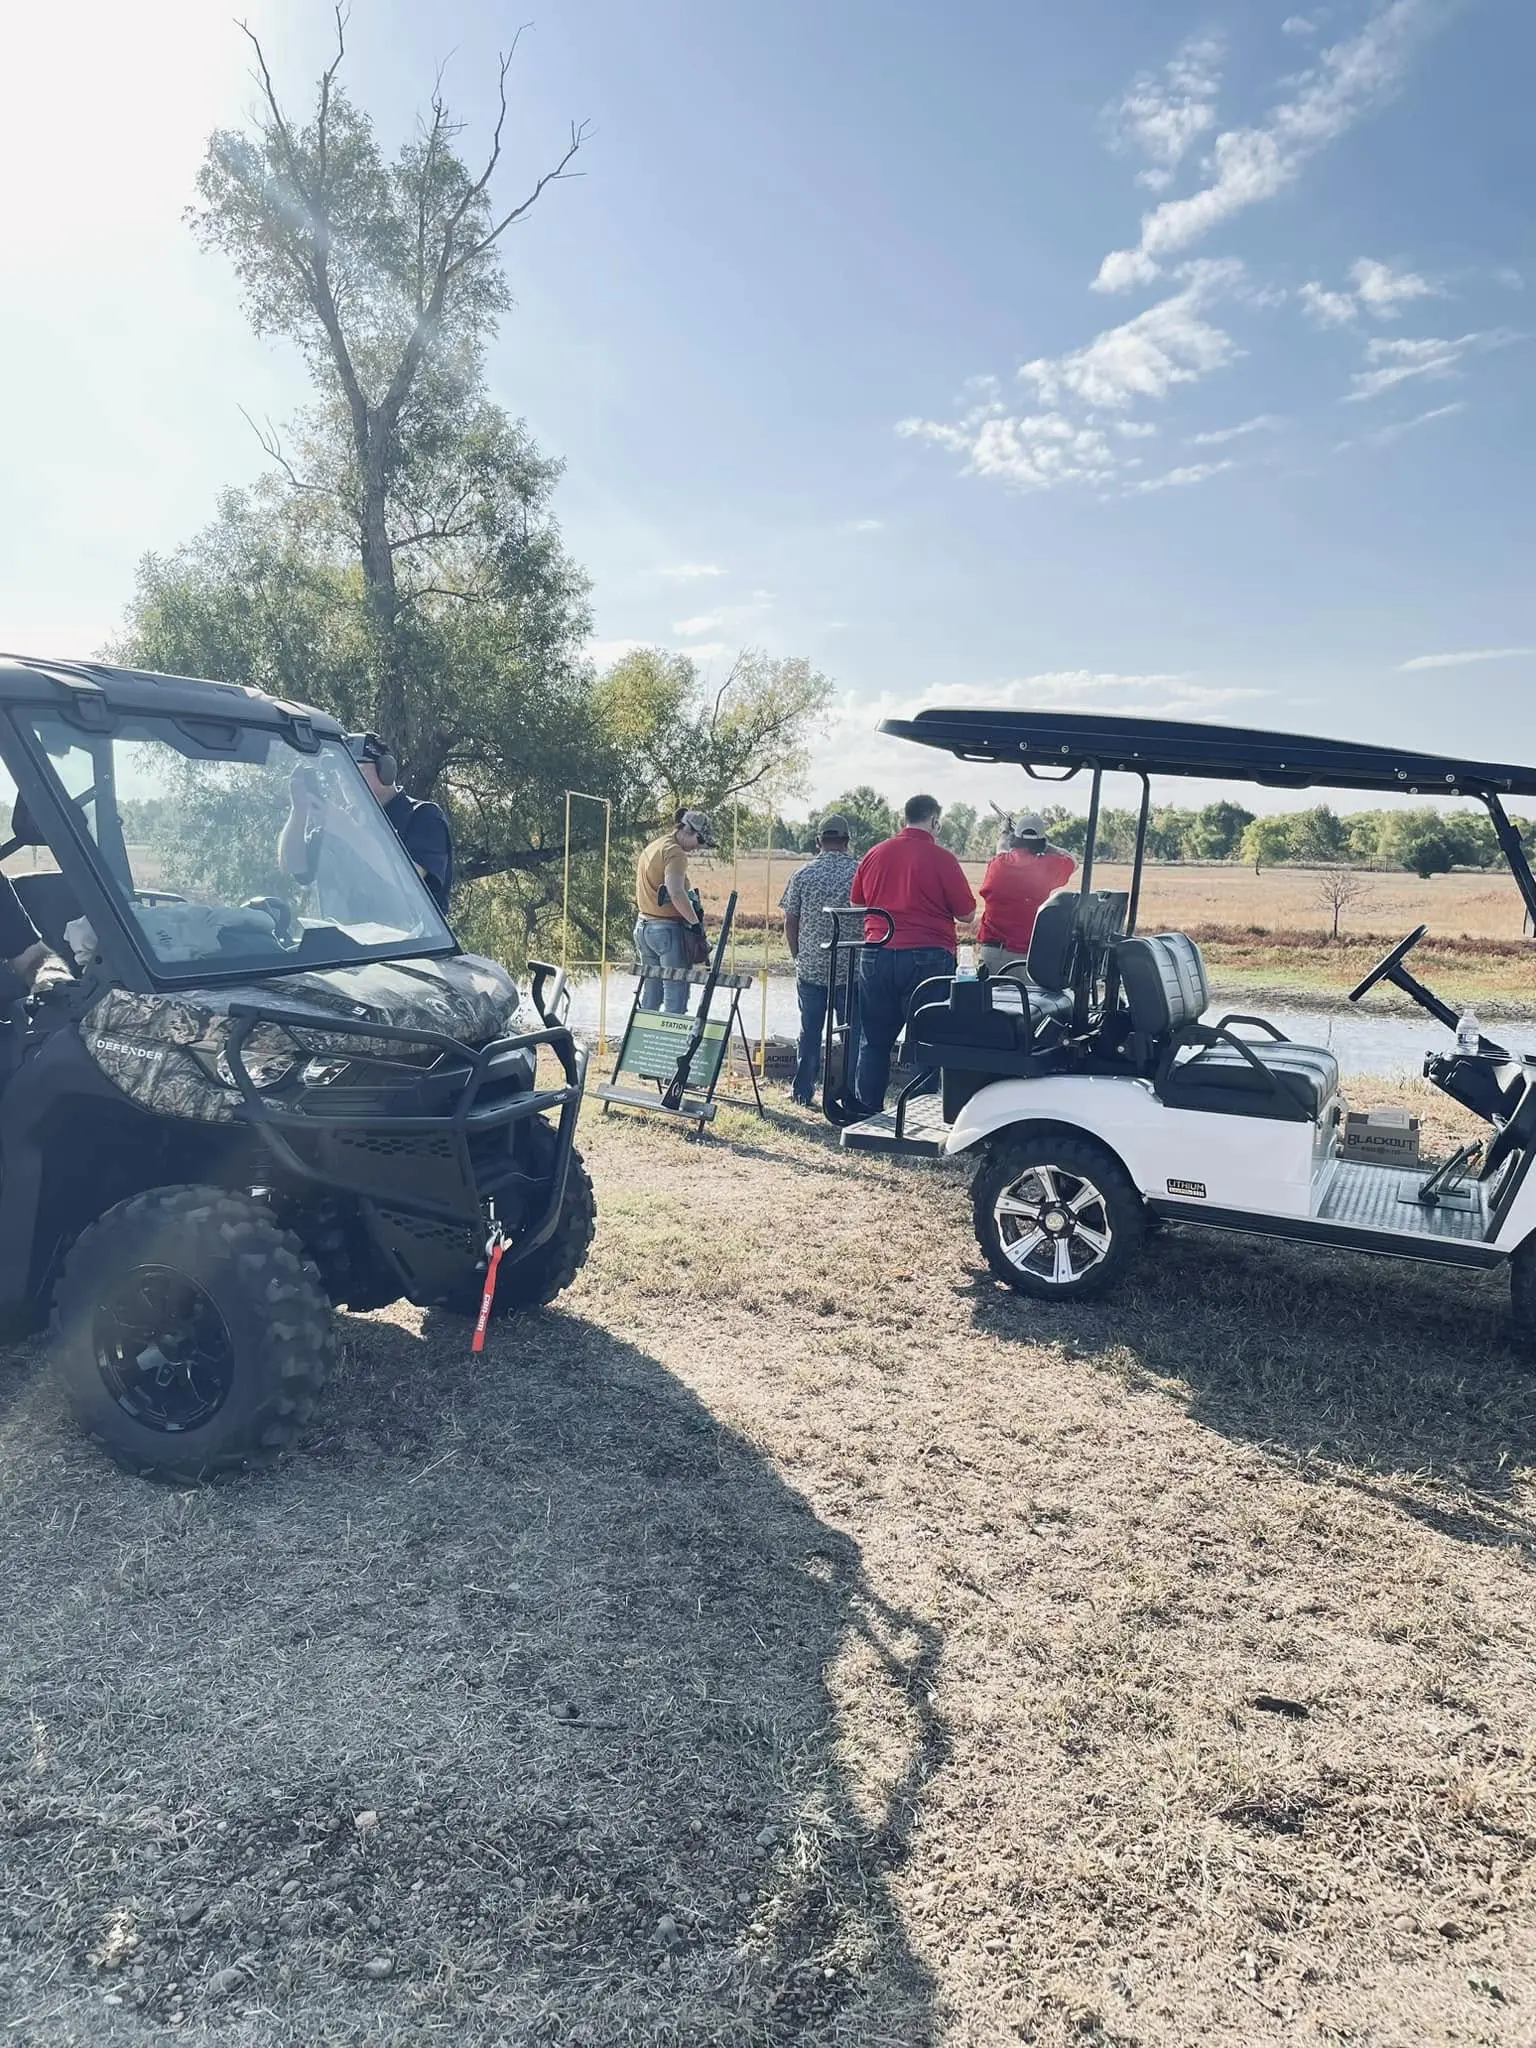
pixel 923 887
pixel 1024 871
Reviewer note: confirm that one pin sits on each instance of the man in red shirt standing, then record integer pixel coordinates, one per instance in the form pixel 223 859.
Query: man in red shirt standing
pixel 923 887
pixel 1024 871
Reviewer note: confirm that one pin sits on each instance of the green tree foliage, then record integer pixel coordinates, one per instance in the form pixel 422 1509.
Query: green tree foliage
pixel 1217 832
pixel 1266 841
pixel 958 827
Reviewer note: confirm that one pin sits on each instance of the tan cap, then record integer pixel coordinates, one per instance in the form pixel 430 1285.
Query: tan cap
pixel 698 822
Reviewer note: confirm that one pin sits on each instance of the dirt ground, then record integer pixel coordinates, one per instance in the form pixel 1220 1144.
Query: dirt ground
pixel 794 1638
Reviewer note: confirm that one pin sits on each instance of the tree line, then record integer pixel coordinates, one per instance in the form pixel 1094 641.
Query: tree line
pixel 1422 841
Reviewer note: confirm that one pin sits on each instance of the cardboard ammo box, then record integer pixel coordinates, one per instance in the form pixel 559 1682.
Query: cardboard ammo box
pixel 1384 1137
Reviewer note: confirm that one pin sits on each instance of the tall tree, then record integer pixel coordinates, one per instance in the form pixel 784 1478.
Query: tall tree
pixel 387 277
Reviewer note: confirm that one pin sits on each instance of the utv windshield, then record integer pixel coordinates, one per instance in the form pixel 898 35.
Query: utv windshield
pixel 237 852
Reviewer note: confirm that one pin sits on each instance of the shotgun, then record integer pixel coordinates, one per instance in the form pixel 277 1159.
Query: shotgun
pixel 672 1094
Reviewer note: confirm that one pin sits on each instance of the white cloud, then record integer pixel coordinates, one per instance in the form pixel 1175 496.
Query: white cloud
pixel 693 629
pixel 1217 437
pixel 1326 308
pixel 1378 290
pixel 1123 268
pixel 1300 25
pixel 1385 290
pixel 1394 361
pixel 606 652
pixel 1165 114
pixel 866 526
pixel 1512 279
pixel 1170 343
pixel 1066 441
pixel 1465 660
pixel 1384 436
pixel 690 572
pixel 1179 479
pixel 1250 165
pixel 708 650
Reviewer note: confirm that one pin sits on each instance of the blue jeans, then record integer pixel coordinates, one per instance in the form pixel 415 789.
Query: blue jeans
pixel 813 1024
pixel 659 943
pixel 887 977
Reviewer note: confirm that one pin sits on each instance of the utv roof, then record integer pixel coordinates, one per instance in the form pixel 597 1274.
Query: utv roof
pixel 1050 744
pixel 96 691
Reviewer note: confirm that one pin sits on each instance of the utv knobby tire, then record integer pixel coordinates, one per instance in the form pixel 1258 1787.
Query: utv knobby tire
pixel 279 1325
pixel 535 1281
pixel 1118 1213
pixel 1522 1297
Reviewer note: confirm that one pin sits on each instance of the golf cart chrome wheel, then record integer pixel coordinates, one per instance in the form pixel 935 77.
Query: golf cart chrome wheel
pixel 1056 1215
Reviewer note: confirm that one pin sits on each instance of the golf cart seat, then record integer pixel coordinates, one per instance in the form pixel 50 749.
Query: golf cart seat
pixel 1012 1013
pixel 1194 1065
pixel 48 899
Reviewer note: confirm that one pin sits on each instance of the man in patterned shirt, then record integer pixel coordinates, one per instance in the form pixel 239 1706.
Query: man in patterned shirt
pixel 822 884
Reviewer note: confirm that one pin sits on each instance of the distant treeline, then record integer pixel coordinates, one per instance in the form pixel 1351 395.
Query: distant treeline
pixel 1424 841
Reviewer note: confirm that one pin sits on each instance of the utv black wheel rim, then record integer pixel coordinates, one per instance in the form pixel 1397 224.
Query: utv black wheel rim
pixel 163 1350
pixel 1053 1225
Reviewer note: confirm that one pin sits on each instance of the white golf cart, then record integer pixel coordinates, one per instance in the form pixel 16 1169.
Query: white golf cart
pixel 1098 1095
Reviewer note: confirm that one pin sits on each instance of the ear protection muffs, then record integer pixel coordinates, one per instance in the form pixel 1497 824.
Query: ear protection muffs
pixel 367 746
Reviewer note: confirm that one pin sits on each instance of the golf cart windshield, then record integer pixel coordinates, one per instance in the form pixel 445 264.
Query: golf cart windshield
pixel 190 822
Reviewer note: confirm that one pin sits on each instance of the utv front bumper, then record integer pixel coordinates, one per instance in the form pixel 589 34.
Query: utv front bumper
pixel 418 1136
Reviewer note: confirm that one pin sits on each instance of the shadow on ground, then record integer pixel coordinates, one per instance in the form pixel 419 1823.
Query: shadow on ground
pixel 500 1714
pixel 1397 1376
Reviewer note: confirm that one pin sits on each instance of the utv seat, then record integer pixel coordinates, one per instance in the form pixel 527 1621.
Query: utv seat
pixel 51 904
pixel 1208 1066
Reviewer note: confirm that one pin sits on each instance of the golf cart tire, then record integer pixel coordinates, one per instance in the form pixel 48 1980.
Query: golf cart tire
pixel 1117 1212
pixel 278 1329
pixel 547 1271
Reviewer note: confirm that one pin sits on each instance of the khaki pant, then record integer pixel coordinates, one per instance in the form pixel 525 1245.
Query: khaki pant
pixel 1002 960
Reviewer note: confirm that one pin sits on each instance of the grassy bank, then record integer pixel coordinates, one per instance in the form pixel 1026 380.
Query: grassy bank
pixel 793 1638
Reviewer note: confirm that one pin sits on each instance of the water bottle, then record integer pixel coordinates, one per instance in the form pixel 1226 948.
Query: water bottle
pixel 1469 1033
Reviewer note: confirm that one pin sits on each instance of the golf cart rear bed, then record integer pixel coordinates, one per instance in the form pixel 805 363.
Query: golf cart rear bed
pixel 916 1129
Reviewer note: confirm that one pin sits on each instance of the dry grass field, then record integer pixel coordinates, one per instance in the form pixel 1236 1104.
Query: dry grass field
pixel 1269 932
pixel 794 1638
pixel 1178 897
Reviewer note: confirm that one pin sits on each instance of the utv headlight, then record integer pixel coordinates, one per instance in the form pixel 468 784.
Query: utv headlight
pixel 269 1057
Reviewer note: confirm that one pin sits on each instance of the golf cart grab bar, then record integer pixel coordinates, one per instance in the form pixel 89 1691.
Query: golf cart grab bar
pixel 1207 1037
pixel 839 1105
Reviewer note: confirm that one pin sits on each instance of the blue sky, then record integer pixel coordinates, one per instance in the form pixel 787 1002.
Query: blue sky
pixel 1133 354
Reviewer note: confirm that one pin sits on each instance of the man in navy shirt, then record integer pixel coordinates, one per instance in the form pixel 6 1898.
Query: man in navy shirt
pixel 422 828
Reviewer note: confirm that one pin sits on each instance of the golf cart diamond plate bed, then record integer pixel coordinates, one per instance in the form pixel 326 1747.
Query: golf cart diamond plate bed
pixel 1384 1198
pixel 923 1130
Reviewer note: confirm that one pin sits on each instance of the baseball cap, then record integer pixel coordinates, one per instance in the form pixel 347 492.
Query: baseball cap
pixel 834 826
pixel 698 821
pixel 1030 826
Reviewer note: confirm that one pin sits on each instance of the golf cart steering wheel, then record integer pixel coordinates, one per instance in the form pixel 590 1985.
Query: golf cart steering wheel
pixel 1383 968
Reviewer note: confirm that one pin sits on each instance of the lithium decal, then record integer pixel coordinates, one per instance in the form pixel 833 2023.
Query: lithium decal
pixel 1195 1189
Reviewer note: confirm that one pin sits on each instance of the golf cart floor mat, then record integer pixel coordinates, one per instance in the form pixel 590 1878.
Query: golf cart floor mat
pixel 1384 1198
pixel 923 1130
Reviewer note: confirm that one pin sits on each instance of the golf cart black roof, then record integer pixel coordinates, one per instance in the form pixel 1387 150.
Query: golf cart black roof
pixel 94 689
pixel 1051 743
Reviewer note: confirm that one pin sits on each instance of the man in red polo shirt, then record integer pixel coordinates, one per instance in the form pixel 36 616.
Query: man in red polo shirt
pixel 923 887
pixel 1026 869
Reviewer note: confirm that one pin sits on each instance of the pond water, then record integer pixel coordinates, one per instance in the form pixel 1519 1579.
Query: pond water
pixel 1364 1044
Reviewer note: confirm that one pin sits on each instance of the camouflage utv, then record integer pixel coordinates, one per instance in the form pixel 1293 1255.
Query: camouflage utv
pixel 250 1099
